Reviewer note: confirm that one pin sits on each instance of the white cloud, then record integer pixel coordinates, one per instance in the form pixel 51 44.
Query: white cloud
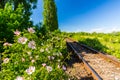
pixel 100 29
pixel 105 29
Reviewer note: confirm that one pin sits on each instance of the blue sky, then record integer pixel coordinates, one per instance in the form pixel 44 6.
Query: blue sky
pixel 84 15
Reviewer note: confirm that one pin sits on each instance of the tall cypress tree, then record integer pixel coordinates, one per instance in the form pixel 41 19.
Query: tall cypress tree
pixel 50 15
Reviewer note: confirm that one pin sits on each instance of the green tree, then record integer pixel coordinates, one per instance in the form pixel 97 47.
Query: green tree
pixel 28 5
pixel 10 20
pixel 12 16
pixel 50 15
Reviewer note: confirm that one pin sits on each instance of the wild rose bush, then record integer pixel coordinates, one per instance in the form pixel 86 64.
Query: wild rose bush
pixel 34 58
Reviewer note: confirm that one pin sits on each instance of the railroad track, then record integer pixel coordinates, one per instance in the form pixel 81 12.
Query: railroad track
pixel 77 70
pixel 101 66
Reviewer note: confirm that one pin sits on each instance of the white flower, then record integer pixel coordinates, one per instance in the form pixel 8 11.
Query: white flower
pixel 43 64
pixel 46 49
pixel 30 57
pixel 41 50
pixel 49 57
pixel 54 54
pixel 60 54
pixel 19 78
pixel 17 33
pixel 58 66
pixel 31 30
pixel 36 56
pixel 22 40
pixel 23 59
pixel 30 70
pixel 7 44
pixel 29 53
pixel 32 45
pixel 63 67
pixel 6 60
pixel 33 61
pixel 42 44
pixel 52 57
pixel 16 62
pixel 49 68
pixel 58 60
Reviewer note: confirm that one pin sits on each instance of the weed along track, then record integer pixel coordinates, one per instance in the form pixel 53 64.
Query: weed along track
pixel 99 65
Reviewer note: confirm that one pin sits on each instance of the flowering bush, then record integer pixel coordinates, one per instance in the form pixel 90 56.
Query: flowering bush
pixel 34 58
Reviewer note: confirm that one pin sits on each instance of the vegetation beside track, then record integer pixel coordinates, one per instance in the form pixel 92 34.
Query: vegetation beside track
pixel 34 56
pixel 108 43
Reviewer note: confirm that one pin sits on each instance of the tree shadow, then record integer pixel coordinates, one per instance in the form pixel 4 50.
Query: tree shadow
pixel 93 43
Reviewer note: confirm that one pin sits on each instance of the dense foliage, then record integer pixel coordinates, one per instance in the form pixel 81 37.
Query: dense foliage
pixel 50 15
pixel 28 4
pixel 11 20
pixel 108 43
pixel 34 58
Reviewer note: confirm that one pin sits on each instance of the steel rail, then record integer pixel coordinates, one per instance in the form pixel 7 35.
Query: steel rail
pixel 88 67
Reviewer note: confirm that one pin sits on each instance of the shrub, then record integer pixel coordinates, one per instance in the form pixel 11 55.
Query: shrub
pixel 34 58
